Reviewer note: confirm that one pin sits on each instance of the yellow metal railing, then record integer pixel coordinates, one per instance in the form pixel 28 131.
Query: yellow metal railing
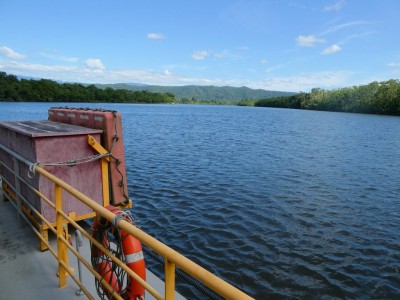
pixel 172 259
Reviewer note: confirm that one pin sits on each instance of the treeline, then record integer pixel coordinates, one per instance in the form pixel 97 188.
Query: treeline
pixel 374 98
pixel 44 90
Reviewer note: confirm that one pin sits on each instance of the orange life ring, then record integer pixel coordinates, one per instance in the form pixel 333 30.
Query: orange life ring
pixel 134 259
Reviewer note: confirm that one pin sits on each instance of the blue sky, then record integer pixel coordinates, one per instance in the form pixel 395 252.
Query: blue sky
pixel 292 45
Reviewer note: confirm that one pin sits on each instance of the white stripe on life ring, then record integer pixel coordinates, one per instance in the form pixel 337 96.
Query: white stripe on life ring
pixel 134 257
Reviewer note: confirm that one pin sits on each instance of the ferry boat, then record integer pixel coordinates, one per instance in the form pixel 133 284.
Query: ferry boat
pixel 57 173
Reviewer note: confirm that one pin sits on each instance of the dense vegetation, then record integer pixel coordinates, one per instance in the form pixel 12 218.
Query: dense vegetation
pixel 203 93
pixel 44 90
pixel 374 98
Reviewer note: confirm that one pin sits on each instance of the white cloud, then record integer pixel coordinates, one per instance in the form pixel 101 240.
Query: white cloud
pixel 394 73
pixel 158 78
pixel 357 36
pixel 263 61
pixel 303 82
pixel 221 54
pixel 331 49
pixel 90 75
pixel 273 68
pixel 392 64
pixel 94 64
pixel 35 70
pixel 343 26
pixel 227 54
pixel 308 41
pixel 10 53
pixel 83 74
pixel 155 36
pixel 199 55
pixel 336 6
pixel 55 56
pixel 69 59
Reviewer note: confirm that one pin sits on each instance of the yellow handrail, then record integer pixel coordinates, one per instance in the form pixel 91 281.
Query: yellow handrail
pixel 151 290
pixel 172 258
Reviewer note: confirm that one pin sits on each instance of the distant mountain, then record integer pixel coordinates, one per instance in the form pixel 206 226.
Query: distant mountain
pixel 203 93
pixel 135 84
pixel 27 77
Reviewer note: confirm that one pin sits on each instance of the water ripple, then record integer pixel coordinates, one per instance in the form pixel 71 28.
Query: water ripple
pixel 282 203
pixel 303 209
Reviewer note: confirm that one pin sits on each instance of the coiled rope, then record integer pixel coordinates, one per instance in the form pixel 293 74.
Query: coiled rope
pixel 109 235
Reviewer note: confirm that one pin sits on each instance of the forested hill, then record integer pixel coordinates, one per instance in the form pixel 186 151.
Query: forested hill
pixel 44 90
pixel 13 88
pixel 374 98
pixel 202 93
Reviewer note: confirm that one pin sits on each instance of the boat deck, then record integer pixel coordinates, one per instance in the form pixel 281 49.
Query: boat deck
pixel 28 273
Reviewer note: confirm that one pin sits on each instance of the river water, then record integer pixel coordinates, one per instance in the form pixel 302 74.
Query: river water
pixel 282 203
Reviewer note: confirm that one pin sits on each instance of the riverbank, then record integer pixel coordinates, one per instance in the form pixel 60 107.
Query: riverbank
pixel 382 98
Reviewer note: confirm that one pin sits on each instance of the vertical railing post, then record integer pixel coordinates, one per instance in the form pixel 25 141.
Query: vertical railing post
pixel 61 247
pixel 105 183
pixel 78 244
pixel 1 189
pixel 17 185
pixel 169 280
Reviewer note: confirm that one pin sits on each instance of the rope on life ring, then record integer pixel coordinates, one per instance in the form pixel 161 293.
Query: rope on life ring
pixel 124 246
